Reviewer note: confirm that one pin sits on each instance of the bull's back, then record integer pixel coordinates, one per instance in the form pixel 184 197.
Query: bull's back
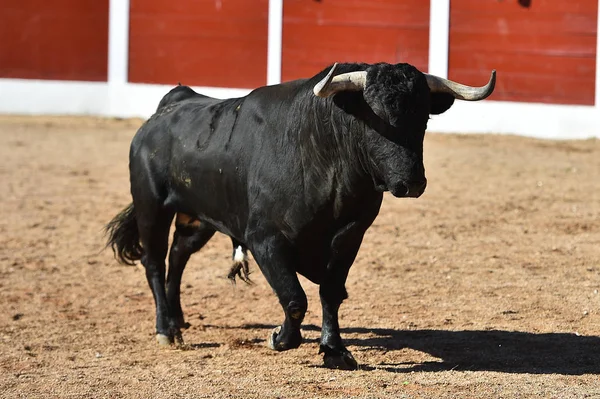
pixel 151 153
pixel 190 152
pixel 219 159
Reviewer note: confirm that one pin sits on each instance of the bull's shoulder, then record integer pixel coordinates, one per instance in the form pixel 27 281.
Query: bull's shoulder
pixel 178 94
pixel 282 93
pixel 192 104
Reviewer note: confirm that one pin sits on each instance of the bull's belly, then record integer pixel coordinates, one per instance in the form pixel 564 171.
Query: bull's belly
pixel 314 274
pixel 208 209
pixel 312 264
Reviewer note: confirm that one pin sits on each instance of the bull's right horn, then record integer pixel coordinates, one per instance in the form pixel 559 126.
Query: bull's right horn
pixel 351 81
pixel 460 91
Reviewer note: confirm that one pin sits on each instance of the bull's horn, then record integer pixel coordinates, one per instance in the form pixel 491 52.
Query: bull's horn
pixel 460 91
pixel 351 81
pixel 356 81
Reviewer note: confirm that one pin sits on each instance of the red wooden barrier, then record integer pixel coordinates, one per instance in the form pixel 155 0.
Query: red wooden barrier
pixel 543 53
pixel 58 39
pixel 219 43
pixel 318 33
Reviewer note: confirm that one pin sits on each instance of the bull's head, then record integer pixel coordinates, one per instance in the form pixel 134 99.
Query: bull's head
pixel 395 106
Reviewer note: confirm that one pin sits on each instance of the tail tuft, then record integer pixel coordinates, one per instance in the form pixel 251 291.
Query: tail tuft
pixel 123 236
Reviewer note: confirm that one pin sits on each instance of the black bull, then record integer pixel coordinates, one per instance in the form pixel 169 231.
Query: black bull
pixel 294 172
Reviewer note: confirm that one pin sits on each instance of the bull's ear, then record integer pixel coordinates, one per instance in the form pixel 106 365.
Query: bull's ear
pixel 440 102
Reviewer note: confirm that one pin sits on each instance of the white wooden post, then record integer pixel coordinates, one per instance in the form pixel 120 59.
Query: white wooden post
pixel 439 34
pixel 118 41
pixel 274 42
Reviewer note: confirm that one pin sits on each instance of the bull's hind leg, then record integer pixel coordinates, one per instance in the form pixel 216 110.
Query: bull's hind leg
pixel 189 237
pixel 277 261
pixel 153 225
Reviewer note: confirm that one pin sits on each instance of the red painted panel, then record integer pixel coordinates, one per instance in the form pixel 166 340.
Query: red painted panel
pixel 219 43
pixel 537 6
pixel 318 33
pixel 543 53
pixel 59 39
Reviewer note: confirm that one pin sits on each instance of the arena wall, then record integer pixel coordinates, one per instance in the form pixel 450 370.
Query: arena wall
pixel 117 58
pixel 546 52
pixel 54 40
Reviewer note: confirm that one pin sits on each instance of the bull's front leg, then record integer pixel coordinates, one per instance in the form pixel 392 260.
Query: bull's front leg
pixel 277 259
pixel 335 354
pixel 332 291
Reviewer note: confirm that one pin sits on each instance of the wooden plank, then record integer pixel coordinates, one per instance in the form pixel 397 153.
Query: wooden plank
pixel 186 28
pixel 62 40
pixel 371 49
pixel 520 23
pixel 514 87
pixel 565 45
pixel 589 7
pixel 316 34
pixel 527 64
pixel 207 43
pixel 359 12
pixel 209 67
pixel 545 53
pixel 222 9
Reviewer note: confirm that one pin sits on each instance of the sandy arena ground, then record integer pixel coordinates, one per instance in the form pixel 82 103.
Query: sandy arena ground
pixel 485 287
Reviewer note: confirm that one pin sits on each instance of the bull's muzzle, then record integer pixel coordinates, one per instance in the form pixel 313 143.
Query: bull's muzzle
pixel 412 189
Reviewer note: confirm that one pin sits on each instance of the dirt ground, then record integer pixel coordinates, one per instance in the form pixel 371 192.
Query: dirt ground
pixel 485 287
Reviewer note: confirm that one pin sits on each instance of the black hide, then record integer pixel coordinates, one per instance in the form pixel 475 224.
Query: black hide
pixel 295 178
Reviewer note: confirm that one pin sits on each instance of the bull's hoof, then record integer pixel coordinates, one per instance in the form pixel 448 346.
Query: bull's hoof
pixel 164 340
pixel 344 361
pixel 178 340
pixel 272 341
pixel 278 342
pixel 339 358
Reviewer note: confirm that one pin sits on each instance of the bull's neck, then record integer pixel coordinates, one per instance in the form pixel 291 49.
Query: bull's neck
pixel 332 141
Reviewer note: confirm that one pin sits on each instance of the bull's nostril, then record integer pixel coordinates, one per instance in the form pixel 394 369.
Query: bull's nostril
pixel 408 189
pixel 415 189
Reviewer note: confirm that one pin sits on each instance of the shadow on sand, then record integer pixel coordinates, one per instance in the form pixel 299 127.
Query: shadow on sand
pixel 502 351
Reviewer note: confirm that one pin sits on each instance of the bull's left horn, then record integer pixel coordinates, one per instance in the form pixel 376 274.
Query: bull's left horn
pixel 460 91
pixel 351 81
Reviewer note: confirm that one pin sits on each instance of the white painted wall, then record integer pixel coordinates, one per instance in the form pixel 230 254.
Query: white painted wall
pixel 50 97
pixel 526 119
pixel 119 98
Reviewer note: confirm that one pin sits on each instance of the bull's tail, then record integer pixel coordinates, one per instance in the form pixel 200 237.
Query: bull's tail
pixel 124 237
